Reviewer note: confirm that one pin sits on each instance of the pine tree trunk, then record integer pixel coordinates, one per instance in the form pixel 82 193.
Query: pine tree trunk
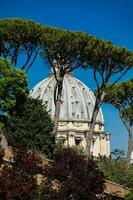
pixel 57 105
pixel 130 139
pixel 89 134
pixel 130 146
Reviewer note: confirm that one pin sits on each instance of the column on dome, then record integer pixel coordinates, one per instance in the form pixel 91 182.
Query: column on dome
pixel 96 145
pixel 131 158
pixel 71 138
pixel 83 142
pixel 104 144
pixel 108 142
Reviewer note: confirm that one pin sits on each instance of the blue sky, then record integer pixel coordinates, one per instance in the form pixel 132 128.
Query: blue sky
pixel 107 19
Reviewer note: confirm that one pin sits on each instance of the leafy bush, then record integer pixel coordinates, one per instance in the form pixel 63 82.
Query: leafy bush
pixel 117 170
pixel 72 177
pixel 17 181
pixel 32 128
pixel 130 196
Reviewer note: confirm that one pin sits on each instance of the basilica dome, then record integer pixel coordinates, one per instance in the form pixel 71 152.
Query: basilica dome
pixel 77 106
pixel 77 99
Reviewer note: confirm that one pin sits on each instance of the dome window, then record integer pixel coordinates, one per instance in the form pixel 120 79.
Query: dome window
pixel 82 114
pixel 73 114
pixel 78 141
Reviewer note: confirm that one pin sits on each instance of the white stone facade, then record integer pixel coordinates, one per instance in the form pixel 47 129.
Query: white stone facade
pixel 76 110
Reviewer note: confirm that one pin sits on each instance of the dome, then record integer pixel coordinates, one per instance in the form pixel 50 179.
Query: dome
pixel 77 99
pixel 77 106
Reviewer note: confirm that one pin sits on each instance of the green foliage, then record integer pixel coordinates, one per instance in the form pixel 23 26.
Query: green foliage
pixel 120 95
pixel 107 60
pixel 1 126
pixel 64 50
pixel 128 114
pixel 104 56
pixel 117 154
pixel 59 146
pixel 44 191
pixel 117 170
pixel 74 176
pixel 20 36
pixel 13 87
pixel 78 149
pixel 32 128
pixel 130 196
pixel 76 49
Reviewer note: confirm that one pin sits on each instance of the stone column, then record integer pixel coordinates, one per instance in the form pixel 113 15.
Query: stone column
pixel 108 144
pixel 3 142
pixel 71 139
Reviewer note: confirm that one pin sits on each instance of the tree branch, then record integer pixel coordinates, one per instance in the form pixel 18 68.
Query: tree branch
pixel 29 55
pixel 120 77
pixel 95 77
pixel 71 69
pixel 36 53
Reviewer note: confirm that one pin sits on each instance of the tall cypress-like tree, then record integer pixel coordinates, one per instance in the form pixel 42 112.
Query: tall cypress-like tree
pixel 32 128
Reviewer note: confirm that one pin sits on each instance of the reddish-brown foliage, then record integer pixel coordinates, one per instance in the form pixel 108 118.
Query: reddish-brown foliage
pixel 78 177
pixel 17 181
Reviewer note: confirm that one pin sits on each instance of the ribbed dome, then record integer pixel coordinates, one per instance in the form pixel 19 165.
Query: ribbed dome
pixel 77 99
